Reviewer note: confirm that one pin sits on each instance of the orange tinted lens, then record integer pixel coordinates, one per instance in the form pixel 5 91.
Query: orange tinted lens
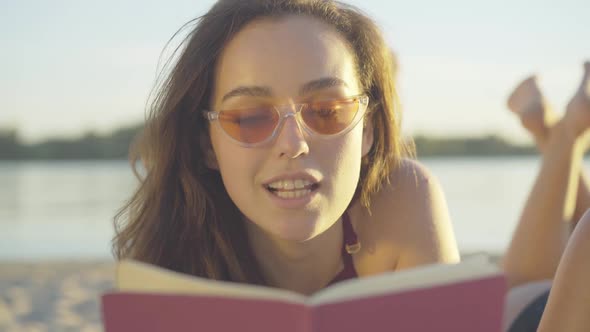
pixel 252 125
pixel 330 117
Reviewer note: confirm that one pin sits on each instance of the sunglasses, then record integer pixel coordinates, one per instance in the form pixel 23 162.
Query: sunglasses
pixel 250 127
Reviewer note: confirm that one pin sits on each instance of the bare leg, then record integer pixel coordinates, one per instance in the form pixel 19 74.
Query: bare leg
pixel 538 118
pixel 541 236
pixel 580 104
pixel 568 306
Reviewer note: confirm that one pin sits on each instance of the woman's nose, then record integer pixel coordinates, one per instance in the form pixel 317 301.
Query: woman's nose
pixel 291 142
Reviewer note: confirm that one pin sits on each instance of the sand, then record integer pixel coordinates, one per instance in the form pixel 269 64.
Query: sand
pixel 53 296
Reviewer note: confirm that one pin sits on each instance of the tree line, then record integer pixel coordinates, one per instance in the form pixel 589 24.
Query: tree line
pixel 89 146
pixel 116 146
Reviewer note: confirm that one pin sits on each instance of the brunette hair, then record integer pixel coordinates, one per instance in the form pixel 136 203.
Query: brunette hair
pixel 181 216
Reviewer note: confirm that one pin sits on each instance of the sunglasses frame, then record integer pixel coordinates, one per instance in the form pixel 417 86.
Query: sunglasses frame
pixel 294 110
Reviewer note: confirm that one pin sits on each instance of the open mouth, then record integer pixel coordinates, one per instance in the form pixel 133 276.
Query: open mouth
pixel 294 192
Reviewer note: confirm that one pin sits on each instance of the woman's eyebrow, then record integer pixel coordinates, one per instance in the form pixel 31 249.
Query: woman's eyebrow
pixel 263 91
pixel 322 83
pixel 253 91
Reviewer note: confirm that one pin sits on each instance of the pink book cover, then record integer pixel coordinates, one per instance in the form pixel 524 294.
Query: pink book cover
pixel 162 312
pixel 474 304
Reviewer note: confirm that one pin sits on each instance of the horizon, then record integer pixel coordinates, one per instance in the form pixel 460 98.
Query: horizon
pixel 73 137
pixel 66 72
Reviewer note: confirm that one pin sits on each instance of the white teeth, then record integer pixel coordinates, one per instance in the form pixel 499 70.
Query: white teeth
pixel 292 194
pixel 290 184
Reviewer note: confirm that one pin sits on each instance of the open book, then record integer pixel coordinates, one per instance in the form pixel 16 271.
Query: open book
pixel 462 297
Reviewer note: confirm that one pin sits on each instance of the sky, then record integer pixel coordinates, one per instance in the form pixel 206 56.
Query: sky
pixel 70 66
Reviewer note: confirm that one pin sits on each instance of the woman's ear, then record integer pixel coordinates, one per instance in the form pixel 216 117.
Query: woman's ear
pixel 368 137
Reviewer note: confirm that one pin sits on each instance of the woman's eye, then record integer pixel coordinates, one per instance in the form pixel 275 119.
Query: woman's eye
pixel 252 119
pixel 325 112
pixel 254 116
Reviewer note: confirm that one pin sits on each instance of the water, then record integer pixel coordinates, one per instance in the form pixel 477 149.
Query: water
pixel 485 197
pixel 60 209
pixel 55 210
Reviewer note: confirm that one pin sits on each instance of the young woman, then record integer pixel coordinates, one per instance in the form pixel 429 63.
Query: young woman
pixel 274 143
pixel 275 157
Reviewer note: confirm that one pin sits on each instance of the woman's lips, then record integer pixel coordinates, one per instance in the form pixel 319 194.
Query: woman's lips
pixel 293 198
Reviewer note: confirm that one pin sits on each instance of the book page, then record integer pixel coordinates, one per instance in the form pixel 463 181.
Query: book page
pixel 134 276
pixel 421 277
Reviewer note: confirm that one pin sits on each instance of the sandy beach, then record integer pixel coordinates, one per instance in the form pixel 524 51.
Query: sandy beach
pixel 53 296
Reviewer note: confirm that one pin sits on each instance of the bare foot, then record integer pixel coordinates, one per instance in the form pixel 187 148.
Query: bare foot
pixel 577 112
pixel 527 102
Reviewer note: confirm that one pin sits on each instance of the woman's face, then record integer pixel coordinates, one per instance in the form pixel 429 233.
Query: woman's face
pixel 287 61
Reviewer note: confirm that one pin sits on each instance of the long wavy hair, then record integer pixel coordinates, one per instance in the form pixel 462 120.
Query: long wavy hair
pixel 181 216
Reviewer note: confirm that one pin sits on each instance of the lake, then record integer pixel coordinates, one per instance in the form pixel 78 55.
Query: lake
pixel 64 210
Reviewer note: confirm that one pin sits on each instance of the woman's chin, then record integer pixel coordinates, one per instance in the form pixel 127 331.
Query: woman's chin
pixel 300 230
pixel 298 234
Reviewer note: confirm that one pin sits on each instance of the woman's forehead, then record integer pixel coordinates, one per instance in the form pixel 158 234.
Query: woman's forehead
pixel 284 54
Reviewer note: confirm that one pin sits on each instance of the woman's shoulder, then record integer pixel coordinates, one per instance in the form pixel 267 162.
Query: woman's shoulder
pixel 411 187
pixel 409 217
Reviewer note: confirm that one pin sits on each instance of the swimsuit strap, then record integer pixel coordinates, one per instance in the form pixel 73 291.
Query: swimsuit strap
pixel 350 246
pixel 351 242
